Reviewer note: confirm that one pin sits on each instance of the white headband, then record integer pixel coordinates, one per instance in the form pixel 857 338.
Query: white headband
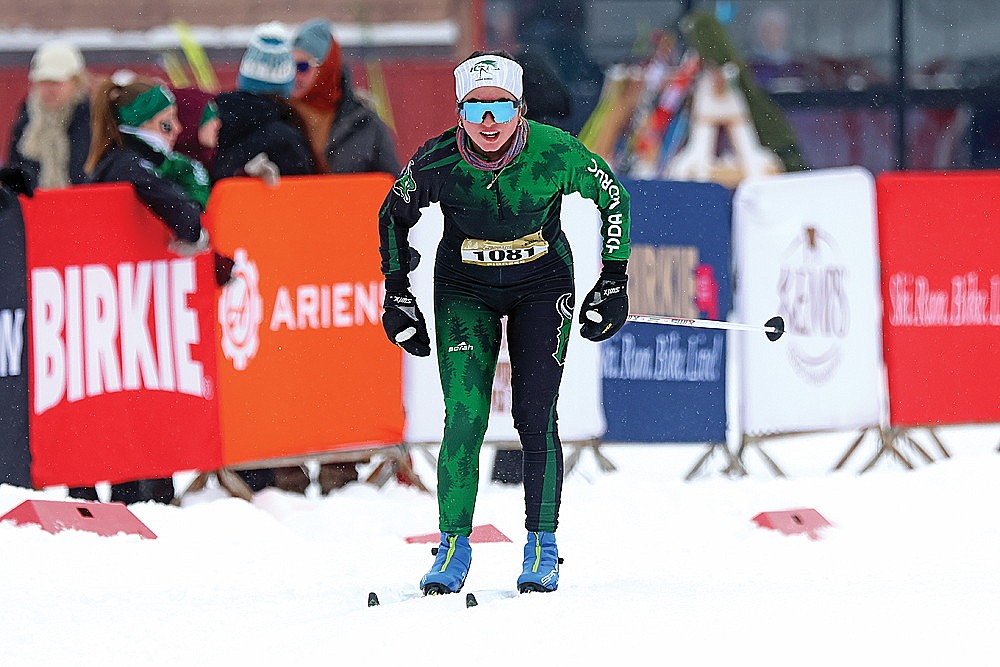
pixel 488 71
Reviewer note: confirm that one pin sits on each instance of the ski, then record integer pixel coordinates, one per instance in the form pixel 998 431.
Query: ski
pixel 374 601
pixel 472 599
pixel 487 595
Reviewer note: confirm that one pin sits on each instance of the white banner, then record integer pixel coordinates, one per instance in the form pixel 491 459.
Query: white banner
pixel 581 413
pixel 805 247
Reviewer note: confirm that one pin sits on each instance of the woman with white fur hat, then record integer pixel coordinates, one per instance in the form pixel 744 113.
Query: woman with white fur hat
pixel 500 180
pixel 51 135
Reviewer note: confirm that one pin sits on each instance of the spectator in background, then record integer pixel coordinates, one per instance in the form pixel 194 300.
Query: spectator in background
pixel 552 31
pixel 51 136
pixel 135 128
pixel 547 100
pixel 197 113
pixel 199 117
pixel 342 127
pixel 547 97
pixel 260 133
pixel 350 138
pixel 770 59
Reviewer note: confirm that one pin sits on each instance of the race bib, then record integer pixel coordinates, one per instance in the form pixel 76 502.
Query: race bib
pixel 504 253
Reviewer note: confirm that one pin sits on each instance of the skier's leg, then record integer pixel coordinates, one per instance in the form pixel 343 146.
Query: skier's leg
pixel 468 342
pixel 538 328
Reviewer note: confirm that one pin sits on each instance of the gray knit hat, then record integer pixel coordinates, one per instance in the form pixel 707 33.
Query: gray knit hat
pixel 314 37
pixel 268 65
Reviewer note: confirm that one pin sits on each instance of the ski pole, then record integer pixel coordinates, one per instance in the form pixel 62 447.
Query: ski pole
pixel 773 328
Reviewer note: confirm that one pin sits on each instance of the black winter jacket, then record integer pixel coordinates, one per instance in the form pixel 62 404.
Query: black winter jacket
pixel 359 141
pixel 253 124
pixel 134 163
pixel 79 144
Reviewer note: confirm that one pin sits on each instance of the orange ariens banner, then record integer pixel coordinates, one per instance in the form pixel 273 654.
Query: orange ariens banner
pixel 941 296
pixel 122 361
pixel 304 366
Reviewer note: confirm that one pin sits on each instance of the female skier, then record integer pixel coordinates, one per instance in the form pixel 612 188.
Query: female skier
pixel 500 179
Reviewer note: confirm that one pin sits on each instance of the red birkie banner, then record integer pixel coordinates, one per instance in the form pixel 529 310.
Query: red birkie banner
pixel 941 296
pixel 122 342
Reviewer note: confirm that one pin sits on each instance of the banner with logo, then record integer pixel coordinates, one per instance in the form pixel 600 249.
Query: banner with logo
pixel 304 365
pixel 123 380
pixel 941 288
pixel 581 416
pixel 15 459
pixel 666 383
pixel 805 249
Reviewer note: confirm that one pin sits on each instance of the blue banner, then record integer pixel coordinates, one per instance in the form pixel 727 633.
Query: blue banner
pixel 667 383
pixel 15 461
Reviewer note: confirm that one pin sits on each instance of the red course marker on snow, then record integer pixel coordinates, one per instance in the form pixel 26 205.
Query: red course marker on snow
pixel 793 522
pixel 485 533
pixel 56 515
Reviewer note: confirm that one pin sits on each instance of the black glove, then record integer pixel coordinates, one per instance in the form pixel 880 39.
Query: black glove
pixel 404 323
pixel 15 179
pixel 605 308
pixel 190 248
pixel 223 269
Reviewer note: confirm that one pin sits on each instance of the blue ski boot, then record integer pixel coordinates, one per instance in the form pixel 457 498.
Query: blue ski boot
pixel 451 565
pixel 541 564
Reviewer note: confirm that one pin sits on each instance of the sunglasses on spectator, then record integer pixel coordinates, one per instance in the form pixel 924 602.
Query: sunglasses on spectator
pixel 503 111
pixel 303 66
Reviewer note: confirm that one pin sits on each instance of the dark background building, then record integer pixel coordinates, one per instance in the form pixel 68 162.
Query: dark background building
pixel 885 84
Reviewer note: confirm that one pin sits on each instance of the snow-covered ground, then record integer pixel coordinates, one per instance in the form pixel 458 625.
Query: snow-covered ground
pixel 657 571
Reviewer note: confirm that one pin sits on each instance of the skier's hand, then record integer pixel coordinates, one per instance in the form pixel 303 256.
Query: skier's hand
pixel 15 179
pixel 404 323
pixel 605 307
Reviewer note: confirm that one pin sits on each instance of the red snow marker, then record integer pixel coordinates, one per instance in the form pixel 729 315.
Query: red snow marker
pixel 793 522
pixel 57 515
pixel 484 533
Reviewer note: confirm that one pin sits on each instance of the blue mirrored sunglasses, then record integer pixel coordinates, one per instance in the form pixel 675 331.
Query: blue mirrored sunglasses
pixel 503 111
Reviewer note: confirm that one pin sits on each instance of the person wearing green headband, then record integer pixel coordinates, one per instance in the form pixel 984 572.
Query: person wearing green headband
pixel 147 106
pixel 135 127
